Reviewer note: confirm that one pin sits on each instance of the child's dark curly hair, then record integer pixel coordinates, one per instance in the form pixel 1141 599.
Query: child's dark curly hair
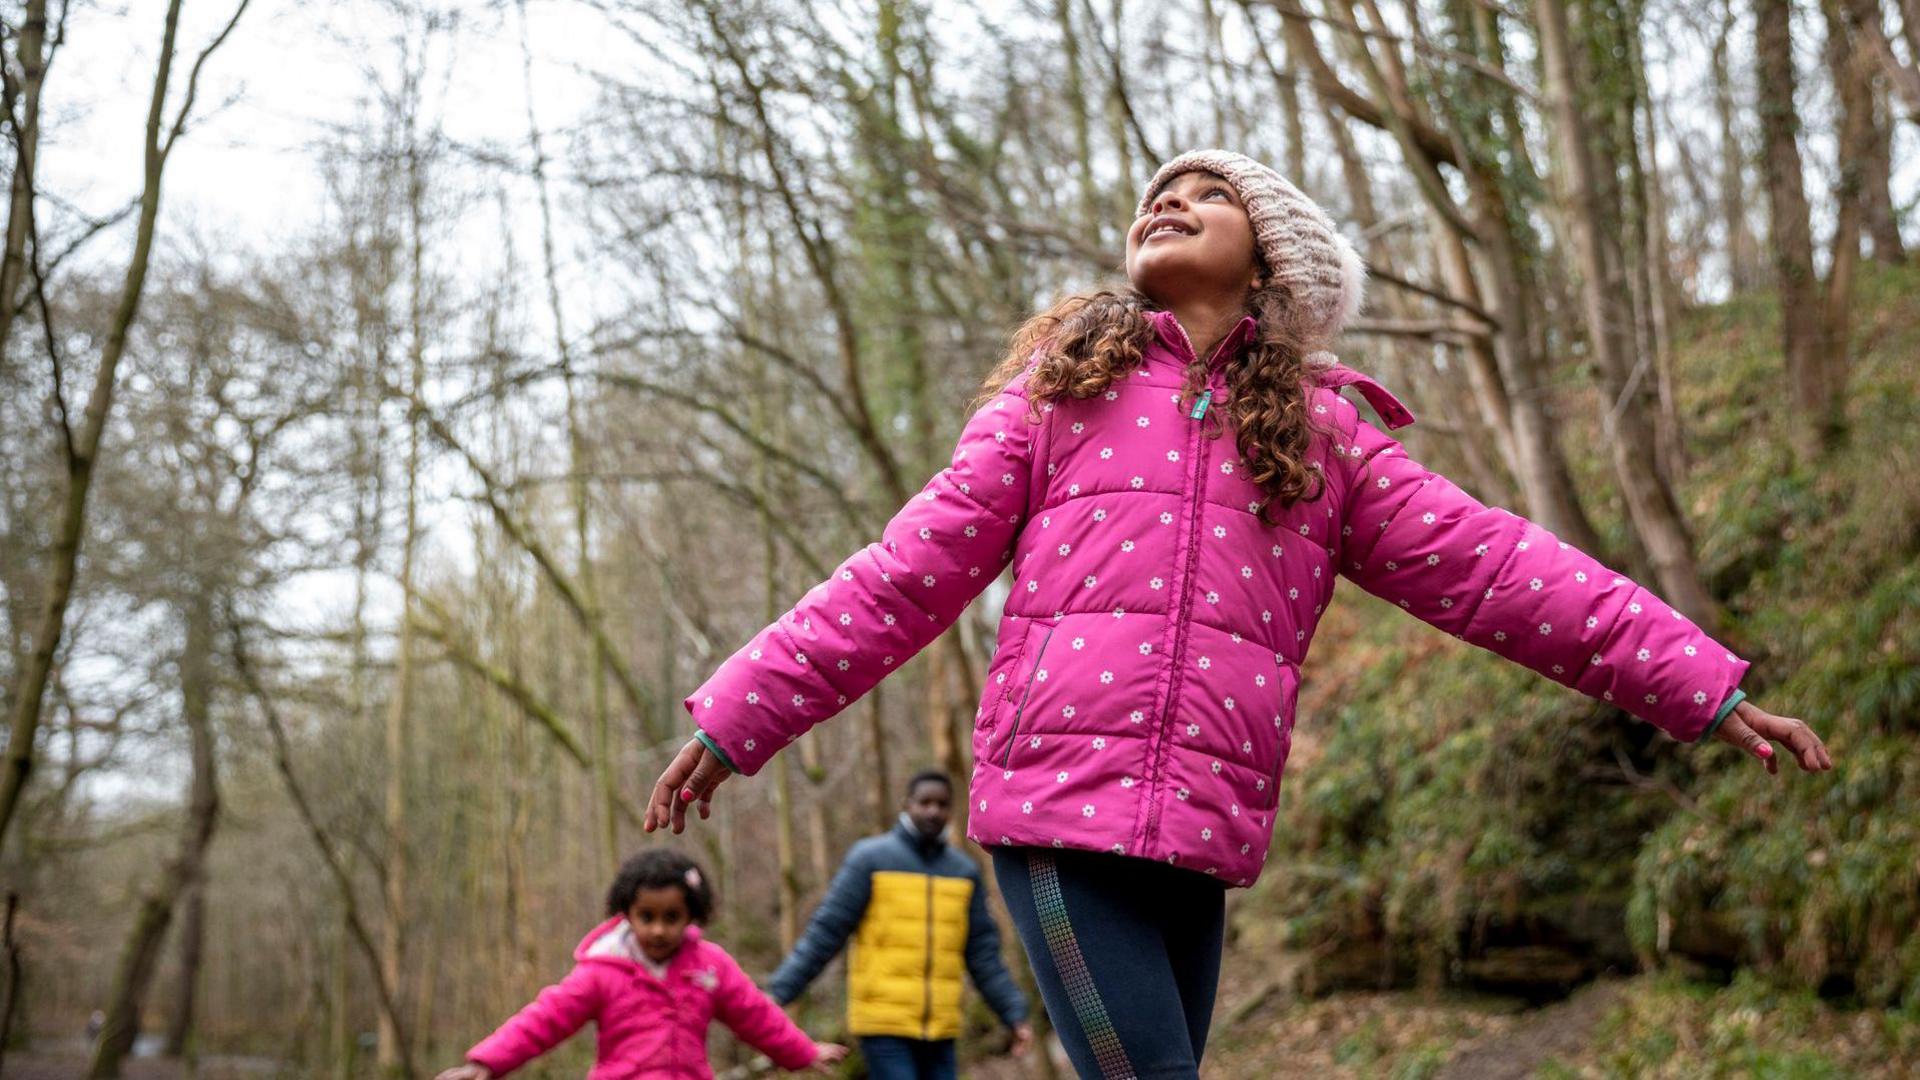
pixel 659 868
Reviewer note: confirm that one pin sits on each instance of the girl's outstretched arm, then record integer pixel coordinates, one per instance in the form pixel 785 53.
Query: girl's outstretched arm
pixel 870 616
pixel 545 1023
pixel 1499 581
pixel 759 1023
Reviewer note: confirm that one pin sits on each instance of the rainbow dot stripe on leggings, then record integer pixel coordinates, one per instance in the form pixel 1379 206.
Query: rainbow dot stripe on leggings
pixel 1088 1009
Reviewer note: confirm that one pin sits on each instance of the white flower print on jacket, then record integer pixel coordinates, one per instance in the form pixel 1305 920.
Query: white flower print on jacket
pixel 1150 558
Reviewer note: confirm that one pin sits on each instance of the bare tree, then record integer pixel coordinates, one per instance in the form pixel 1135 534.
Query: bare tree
pixel 82 448
pixel 1813 325
pixel 1620 367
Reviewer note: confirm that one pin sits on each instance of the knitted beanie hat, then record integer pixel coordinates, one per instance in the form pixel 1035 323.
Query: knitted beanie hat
pixel 1297 241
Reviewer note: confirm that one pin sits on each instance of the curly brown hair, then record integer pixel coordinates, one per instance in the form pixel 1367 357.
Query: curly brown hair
pixel 1087 340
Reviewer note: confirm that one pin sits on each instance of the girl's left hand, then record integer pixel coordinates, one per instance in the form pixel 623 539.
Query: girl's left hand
pixel 830 1056
pixel 1750 727
pixel 692 775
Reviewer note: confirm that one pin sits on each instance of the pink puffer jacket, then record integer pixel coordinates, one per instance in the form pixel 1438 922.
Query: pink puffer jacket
pixel 648 1027
pixel 1141 695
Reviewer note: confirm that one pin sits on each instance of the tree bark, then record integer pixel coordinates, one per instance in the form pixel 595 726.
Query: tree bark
pixel 1662 309
pixel 191 947
pixel 362 937
pixel 393 940
pixel 1801 318
pixel 1506 371
pixel 1744 267
pixel 82 448
pixel 1655 513
pixel 32 58
pixel 140 957
pixel 578 468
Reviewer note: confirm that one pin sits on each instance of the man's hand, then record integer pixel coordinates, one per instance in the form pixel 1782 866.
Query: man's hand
pixel 1022 1039
pixel 692 775
pixel 1750 727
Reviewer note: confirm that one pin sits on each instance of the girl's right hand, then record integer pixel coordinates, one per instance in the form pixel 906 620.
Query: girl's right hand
pixel 829 1056
pixel 472 1070
pixel 692 775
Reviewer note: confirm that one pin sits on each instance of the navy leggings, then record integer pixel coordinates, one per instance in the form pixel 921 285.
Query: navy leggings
pixel 1126 952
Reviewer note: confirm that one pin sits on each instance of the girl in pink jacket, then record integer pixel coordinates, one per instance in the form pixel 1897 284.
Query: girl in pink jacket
pixel 651 984
pixel 1175 479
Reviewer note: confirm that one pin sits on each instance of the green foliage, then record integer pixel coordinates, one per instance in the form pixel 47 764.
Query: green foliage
pixel 1750 1028
pixel 1445 801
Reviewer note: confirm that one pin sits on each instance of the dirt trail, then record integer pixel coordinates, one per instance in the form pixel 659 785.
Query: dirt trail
pixel 1563 1029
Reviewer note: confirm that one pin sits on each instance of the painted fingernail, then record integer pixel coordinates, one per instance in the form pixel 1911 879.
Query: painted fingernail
pixel 1764 750
pixel 686 794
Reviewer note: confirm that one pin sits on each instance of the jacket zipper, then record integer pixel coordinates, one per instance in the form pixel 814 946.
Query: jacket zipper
pixel 1196 443
pixel 1006 759
pixel 926 1015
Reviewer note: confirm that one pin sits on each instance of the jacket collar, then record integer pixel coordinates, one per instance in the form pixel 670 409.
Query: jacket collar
pixel 584 952
pixel 928 847
pixel 1174 336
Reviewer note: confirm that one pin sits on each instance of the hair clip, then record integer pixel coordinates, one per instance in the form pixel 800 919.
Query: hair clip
pixel 692 877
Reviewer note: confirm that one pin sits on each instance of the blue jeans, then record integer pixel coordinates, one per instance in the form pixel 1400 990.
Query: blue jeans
pixel 890 1057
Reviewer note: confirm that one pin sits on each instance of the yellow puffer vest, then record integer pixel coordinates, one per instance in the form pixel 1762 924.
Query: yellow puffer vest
pixel 905 970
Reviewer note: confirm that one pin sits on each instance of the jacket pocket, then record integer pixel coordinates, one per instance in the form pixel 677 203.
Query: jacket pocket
pixel 1019 694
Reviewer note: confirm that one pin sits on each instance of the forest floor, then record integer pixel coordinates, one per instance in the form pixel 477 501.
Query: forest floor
pixel 1644 1026
pixel 65 1059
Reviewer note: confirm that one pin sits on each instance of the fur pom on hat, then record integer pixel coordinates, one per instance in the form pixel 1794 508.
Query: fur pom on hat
pixel 1299 244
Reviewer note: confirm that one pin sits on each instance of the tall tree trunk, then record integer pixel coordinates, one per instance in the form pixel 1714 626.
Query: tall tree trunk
pixel 1801 318
pixel 1091 214
pixel 882 801
pixel 388 1051
pixel 578 468
pixel 1663 310
pixel 1650 502
pixel 1128 177
pixel 82 448
pixel 1868 89
pixel 140 957
pixel 1511 257
pixel 1852 76
pixel 1744 269
pixel 386 994
pixel 31 54
pixel 1902 76
pixel 340 1005
pixel 819 831
pixel 1876 192
pixel 1643 232
pixel 191 947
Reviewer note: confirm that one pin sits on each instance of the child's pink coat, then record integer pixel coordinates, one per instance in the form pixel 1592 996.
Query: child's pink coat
pixel 1142 690
pixel 647 1027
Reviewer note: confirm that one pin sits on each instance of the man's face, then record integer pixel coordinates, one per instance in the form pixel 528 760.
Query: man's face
pixel 930 805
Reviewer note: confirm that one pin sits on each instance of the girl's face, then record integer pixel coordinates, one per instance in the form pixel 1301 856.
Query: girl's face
pixel 660 919
pixel 1194 241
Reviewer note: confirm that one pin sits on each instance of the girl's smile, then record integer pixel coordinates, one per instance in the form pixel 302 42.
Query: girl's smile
pixel 1167 225
pixel 1194 245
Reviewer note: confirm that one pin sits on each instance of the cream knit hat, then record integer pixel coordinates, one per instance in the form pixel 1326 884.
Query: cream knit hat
pixel 1298 243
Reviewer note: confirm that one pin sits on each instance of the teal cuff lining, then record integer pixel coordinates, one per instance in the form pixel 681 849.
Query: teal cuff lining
pixel 707 741
pixel 1726 707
